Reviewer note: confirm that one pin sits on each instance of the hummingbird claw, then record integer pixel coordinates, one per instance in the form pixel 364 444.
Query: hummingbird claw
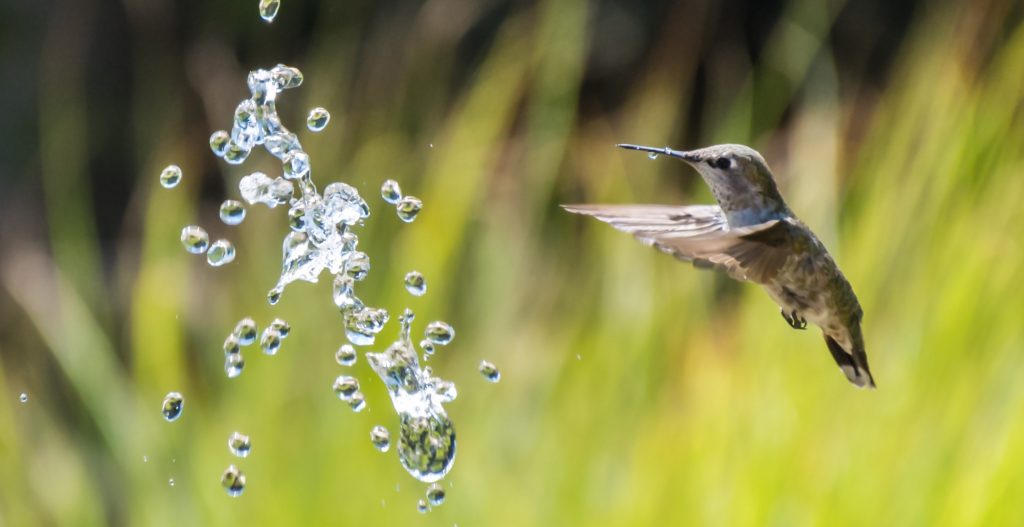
pixel 794 320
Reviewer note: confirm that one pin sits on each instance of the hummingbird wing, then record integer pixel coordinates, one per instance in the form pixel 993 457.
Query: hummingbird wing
pixel 700 234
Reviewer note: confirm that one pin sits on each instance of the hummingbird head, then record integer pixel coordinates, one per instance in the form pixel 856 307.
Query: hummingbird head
pixel 739 179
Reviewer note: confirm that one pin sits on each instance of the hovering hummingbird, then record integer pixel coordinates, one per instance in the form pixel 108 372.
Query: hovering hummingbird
pixel 753 236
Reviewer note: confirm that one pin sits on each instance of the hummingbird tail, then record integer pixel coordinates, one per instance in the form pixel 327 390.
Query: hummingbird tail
pixel 854 365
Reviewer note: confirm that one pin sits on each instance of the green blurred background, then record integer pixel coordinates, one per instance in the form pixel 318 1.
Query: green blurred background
pixel 635 390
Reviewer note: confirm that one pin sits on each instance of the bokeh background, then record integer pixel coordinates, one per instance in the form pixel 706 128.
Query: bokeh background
pixel 634 390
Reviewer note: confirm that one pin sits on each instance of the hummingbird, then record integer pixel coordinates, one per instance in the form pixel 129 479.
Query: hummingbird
pixel 753 236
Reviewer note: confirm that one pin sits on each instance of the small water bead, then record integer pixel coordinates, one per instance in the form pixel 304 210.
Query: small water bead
pixel 283 328
pixel 427 347
pixel 390 191
pixel 346 355
pixel 435 494
pixel 233 481
pixel 422 506
pixel 274 295
pixel 173 404
pixel 170 482
pixel 23 397
pixel 489 371
pixel 408 208
pixel 357 402
pixel 232 212
pixel 415 284
pixel 232 346
pixel 233 365
pixel 652 155
pixel 239 444
pixel 170 176
pixel 381 438
pixel 346 386
pixel 270 341
pixel 318 119
pixel 222 252
pixel 246 330
pixel 219 142
pixel 195 239
pixel 439 333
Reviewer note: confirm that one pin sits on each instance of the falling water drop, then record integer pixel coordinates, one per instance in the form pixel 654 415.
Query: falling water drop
pixel 435 494
pixel 239 444
pixel 345 386
pixel 283 328
pixel 219 142
pixel 172 406
pixel 381 438
pixel 268 9
pixel 274 295
pixel 23 397
pixel 422 506
pixel 439 333
pixel 170 176
pixel 195 239
pixel 221 252
pixel 415 284
pixel 652 155
pixel 408 208
pixel 489 371
pixel 427 347
pixel 357 402
pixel 233 481
pixel 317 119
pixel 245 330
pixel 390 191
pixel 234 363
pixel 232 212
pixel 270 341
pixel 346 355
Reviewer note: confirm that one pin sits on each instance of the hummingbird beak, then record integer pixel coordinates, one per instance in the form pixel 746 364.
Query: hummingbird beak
pixel 689 157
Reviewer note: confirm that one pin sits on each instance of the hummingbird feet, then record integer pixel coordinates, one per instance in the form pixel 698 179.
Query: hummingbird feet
pixel 794 320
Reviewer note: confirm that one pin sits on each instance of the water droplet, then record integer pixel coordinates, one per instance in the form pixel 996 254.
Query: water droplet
pixel 489 371
pixel 232 212
pixel 286 76
pixel 415 284
pixel 283 328
pixel 362 326
pixel 274 295
pixel 245 330
pixel 170 482
pixel 390 191
pixel 408 208
pixel 268 9
pixel 173 404
pixel 220 253
pixel 346 355
pixel 145 459
pixel 23 397
pixel 235 154
pixel 170 176
pixel 219 142
pixel 357 402
pixel 233 481
pixel 422 506
pixel 435 494
pixel 232 345
pixel 260 188
pixel 439 333
pixel 345 386
pixel 234 363
pixel 297 217
pixel 357 265
pixel 239 444
pixel 381 438
pixel 195 239
pixel 652 155
pixel 270 341
pixel 318 119
pixel 427 347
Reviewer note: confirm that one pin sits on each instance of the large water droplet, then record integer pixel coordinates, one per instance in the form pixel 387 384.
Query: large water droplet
pixel 270 341
pixel 246 331
pixel 170 176
pixel 390 191
pixel 317 119
pixel 195 239
pixel 233 481
pixel 345 386
pixel 172 406
pixel 268 9
pixel 408 208
pixel 222 252
pixel 346 355
pixel 219 142
pixel 381 438
pixel 489 371
pixel 439 333
pixel 233 365
pixel 415 284
pixel 239 444
pixel 435 494
pixel 232 212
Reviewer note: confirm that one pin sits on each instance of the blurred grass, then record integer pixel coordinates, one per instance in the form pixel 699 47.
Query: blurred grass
pixel 633 391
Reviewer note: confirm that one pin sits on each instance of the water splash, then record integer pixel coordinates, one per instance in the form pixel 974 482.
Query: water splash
pixel 170 176
pixel 426 438
pixel 239 444
pixel 172 407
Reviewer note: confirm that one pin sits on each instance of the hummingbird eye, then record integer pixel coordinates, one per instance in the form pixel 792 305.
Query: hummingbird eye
pixel 723 163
